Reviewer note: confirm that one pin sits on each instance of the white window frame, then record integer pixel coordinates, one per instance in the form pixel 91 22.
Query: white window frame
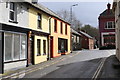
pixel 106 24
pixel 12 54
pixel 14 11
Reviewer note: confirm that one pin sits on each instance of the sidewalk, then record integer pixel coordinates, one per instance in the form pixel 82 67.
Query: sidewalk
pixel 111 68
pixel 21 72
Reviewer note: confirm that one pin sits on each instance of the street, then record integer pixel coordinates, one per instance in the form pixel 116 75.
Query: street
pixel 79 64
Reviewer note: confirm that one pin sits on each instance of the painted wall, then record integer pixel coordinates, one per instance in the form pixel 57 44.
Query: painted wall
pixel 57 35
pixel 41 58
pixel 22 14
pixel 33 17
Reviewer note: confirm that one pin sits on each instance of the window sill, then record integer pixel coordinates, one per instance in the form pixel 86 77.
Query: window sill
pixel 15 61
pixel 13 21
pixel 39 28
pixel 109 28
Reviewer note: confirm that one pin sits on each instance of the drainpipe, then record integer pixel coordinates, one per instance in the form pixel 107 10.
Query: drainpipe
pixel 49 56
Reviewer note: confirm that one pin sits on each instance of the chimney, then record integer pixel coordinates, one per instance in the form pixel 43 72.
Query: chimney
pixel 108 7
pixel 34 1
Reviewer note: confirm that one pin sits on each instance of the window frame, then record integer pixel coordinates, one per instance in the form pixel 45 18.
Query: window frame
pixel 12 52
pixel 55 25
pixel 66 29
pixel 39 53
pixel 14 11
pixel 39 21
pixel 61 27
pixel 106 25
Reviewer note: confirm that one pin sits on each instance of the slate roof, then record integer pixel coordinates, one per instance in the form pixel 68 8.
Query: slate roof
pixel 105 13
pixel 48 11
pixel 85 34
pixel 75 32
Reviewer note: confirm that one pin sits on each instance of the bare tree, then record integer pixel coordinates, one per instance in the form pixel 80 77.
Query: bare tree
pixel 76 24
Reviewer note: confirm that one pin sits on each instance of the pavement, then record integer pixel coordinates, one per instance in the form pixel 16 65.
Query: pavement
pixel 20 73
pixel 75 65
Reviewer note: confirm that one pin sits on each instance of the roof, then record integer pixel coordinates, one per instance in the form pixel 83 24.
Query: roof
pixel 85 34
pixel 48 11
pixel 105 13
pixel 75 32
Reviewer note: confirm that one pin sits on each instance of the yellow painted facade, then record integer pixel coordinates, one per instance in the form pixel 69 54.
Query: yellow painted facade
pixel 58 34
pixel 41 58
pixel 33 18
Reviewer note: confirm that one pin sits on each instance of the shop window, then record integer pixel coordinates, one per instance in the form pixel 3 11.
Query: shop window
pixel 13 15
pixel 23 47
pixel 39 21
pixel 38 47
pixel 44 47
pixel 15 47
pixel 8 47
pixel 55 25
pixel 62 45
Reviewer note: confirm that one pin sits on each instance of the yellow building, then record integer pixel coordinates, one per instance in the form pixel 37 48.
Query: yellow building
pixel 38 44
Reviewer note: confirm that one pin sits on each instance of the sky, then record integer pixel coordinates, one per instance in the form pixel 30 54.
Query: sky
pixel 87 12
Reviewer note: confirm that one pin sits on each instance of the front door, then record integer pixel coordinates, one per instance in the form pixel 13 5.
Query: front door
pixel 51 47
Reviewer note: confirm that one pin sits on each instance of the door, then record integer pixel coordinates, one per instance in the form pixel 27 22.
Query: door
pixel 32 50
pixel 51 47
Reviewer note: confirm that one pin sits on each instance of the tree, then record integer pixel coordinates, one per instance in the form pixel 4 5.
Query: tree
pixel 92 31
pixel 76 24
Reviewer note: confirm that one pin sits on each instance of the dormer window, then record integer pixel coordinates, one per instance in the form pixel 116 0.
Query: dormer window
pixel 13 16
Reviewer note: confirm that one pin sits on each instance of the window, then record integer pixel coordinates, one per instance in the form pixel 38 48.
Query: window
pixel 15 47
pixel 61 27
pixel 8 46
pixel 62 45
pixel 78 39
pixel 44 47
pixel 66 29
pixel 38 47
pixel 55 25
pixel 39 21
pixel 23 47
pixel 110 25
pixel 12 14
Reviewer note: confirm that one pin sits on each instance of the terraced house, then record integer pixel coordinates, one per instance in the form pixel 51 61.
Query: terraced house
pixel 30 34
pixel 14 20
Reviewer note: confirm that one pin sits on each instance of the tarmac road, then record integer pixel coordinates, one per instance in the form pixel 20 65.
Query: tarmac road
pixel 79 64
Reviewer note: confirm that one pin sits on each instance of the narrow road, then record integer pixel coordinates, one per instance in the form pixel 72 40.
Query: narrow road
pixel 79 64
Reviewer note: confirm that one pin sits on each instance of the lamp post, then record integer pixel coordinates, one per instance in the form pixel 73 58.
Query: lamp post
pixel 71 12
pixel 71 25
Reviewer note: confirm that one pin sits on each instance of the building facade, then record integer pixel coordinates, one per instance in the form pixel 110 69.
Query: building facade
pixel 76 40
pixel 116 10
pixel 87 41
pixel 13 35
pixel 60 37
pixel 107 27
pixel 39 34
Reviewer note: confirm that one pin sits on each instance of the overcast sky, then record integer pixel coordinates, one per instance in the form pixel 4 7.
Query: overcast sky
pixel 86 12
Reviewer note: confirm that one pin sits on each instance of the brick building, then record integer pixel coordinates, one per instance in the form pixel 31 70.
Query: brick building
pixel 107 27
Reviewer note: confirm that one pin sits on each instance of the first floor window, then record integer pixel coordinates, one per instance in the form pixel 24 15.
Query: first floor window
pixel 15 47
pixel 44 47
pixel 38 47
pixel 110 25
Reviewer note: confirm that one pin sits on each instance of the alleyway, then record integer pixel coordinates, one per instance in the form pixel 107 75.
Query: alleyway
pixel 80 64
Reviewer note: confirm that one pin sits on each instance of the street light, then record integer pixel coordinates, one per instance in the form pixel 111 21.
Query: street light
pixel 71 12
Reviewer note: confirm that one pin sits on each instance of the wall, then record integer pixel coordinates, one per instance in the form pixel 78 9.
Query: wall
pixel 33 17
pixel 22 14
pixel 41 58
pixel 59 35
